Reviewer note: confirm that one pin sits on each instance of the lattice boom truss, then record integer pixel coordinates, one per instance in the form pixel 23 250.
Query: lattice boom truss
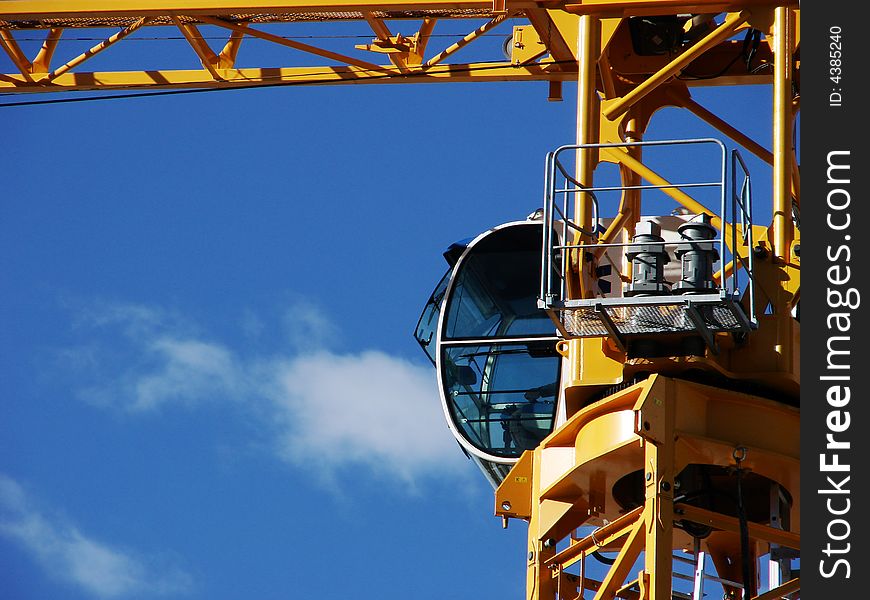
pixel 543 42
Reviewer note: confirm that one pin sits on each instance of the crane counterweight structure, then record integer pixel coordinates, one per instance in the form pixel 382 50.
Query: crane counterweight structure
pixel 663 307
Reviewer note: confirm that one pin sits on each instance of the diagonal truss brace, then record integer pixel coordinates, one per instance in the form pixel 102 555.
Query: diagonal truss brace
pixel 102 46
pixel 41 63
pixel 492 23
pixel 293 44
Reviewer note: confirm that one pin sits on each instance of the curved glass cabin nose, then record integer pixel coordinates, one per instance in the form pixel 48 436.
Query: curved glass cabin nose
pixel 498 369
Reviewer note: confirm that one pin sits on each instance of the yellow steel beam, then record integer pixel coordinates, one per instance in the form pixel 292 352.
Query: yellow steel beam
pixel 548 31
pixel 786 588
pixel 654 178
pixel 113 39
pixel 586 159
pixel 783 41
pixel 608 81
pixel 587 113
pixel 293 44
pixel 721 33
pixel 453 48
pixel 726 128
pixel 90 8
pixel 206 55
pixel 424 34
pixel 14 51
pixel 227 57
pixel 539 582
pixel 621 8
pixel 236 78
pixel 601 537
pixel 658 411
pixel 623 562
pixel 42 62
pixel 379 27
pixel 29 10
pixel 385 35
pixel 757 531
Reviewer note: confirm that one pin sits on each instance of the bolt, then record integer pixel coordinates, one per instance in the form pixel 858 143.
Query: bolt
pixel 506 505
pixel 531 556
pixel 649 476
pixel 666 486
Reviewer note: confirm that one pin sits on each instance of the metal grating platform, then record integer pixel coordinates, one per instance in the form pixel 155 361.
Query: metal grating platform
pixel 125 20
pixel 678 305
pixel 627 317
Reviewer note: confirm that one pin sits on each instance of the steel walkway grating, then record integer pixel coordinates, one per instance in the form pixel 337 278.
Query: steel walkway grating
pixel 626 317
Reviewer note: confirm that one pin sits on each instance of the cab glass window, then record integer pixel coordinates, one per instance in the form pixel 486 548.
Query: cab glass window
pixel 502 397
pixel 428 323
pixel 496 289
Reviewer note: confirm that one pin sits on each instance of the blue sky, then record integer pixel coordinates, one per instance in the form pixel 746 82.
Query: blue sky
pixel 210 388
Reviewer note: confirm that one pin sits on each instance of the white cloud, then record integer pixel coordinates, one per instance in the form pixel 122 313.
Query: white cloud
pixel 252 325
pixel 160 369
pixel 327 410
pixel 135 319
pixel 307 326
pixel 71 556
pixel 368 408
pixel 189 370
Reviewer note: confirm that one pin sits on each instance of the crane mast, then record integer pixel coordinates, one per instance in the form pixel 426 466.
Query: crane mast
pixel 676 439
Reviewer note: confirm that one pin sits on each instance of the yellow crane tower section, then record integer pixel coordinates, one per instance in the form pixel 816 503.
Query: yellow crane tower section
pixel 657 449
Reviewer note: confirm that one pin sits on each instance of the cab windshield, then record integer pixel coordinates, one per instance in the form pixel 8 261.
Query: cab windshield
pixel 496 289
pixel 502 396
pixel 499 368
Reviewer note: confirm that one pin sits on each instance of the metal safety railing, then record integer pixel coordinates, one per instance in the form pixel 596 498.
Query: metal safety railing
pixel 677 309
pixel 741 206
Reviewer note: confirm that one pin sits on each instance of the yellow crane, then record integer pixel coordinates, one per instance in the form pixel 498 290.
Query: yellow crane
pixel 673 433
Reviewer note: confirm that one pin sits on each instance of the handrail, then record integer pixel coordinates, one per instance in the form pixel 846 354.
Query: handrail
pixel 734 209
pixel 743 200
